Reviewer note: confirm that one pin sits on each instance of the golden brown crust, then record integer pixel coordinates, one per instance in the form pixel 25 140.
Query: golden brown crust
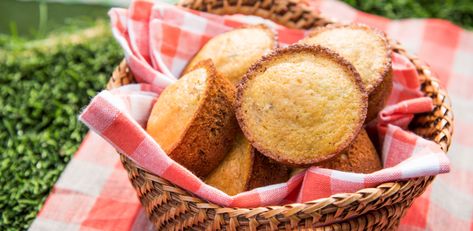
pixel 387 67
pixel 360 157
pixel 381 89
pixel 244 169
pixel 377 98
pixel 234 172
pixel 266 172
pixel 263 27
pixel 295 49
pixel 204 143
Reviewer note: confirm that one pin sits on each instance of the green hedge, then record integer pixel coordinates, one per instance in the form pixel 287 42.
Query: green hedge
pixel 42 92
pixel 458 11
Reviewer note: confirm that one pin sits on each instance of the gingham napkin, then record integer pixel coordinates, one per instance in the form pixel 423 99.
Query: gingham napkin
pixel 159 39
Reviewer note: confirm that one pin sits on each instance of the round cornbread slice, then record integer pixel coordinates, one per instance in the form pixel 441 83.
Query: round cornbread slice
pixel 233 173
pixel 301 105
pixel 235 51
pixel 359 157
pixel 244 169
pixel 368 50
pixel 193 119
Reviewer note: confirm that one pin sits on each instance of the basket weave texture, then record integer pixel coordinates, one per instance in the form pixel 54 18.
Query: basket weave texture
pixel 172 208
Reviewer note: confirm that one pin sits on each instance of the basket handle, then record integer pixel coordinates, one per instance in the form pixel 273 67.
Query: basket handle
pixel 294 14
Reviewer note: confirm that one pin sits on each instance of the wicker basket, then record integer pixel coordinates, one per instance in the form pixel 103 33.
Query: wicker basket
pixel 170 207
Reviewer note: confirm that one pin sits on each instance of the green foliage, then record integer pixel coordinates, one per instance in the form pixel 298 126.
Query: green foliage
pixel 458 11
pixel 42 92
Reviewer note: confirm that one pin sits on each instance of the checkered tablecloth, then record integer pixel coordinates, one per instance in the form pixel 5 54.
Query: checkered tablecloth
pixel 94 193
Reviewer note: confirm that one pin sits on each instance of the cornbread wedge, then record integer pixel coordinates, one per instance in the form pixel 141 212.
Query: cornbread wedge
pixel 368 50
pixel 301 105
pixel 360 157
pixel 193 119
pixel 235 51
pixel 266 171
pixel 244 169
pixel 234 172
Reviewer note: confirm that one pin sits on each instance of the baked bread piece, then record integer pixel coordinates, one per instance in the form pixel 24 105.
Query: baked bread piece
pixel 368 50
pixel 233 173
pixel 301 105
pixel 244 169
pixel 235 51
pixel 193 119
pixel 360 157
pixel 266 171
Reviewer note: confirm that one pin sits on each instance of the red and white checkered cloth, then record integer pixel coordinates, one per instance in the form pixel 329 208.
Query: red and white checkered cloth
pixel 94 193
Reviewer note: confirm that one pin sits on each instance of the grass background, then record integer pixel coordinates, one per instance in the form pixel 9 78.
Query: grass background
pixel 45 81
pixel 43 87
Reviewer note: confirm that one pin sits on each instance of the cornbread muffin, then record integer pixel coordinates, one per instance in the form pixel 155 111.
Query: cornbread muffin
pixel 233 174
pixel 301 105
pixel 193 120
pixel 235 51
pixel 368 50
pixel 360 157
pixel 244 169
pixel 266 171
pixel 377 99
